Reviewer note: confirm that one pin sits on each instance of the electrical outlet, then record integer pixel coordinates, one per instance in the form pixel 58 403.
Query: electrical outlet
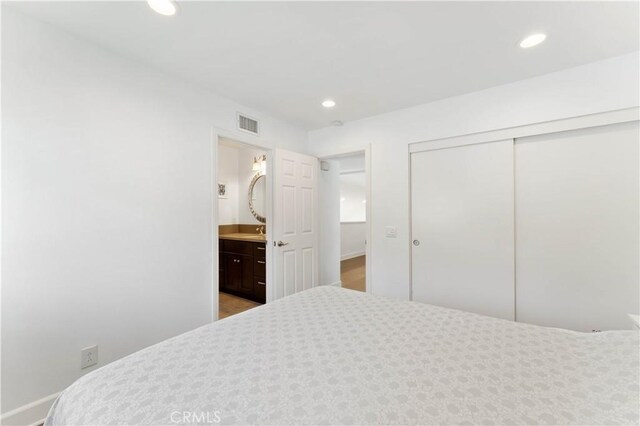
pixel 89 356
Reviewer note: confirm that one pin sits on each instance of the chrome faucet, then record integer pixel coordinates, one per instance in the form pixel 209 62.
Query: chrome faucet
pixel 260 230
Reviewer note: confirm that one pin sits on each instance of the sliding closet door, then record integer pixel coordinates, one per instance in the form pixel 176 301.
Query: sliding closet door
pixel 462 225
pixel 577 228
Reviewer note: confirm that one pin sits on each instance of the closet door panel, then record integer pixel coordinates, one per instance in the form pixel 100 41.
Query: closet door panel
pixel 462 216
pixel 577 228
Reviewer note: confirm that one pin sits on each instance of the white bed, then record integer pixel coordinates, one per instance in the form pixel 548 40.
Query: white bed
pixel 334 356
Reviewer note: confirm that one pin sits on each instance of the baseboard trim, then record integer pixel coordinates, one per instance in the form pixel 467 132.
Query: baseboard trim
pixel 33 413
pixel 336 284
pixel 352 255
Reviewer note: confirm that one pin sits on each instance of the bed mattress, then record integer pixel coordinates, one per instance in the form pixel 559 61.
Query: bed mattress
pixel 334 356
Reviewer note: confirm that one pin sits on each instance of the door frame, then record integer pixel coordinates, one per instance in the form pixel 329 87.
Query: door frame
pixel 333 155
pixel 516 132
pixel 242 139
pixel 541 128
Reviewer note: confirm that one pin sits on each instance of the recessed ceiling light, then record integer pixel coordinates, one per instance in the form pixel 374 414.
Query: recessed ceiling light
pixel 533 40
pixel 163 7
pixel 329 103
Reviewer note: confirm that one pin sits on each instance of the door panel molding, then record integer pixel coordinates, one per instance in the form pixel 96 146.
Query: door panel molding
pixel 294 222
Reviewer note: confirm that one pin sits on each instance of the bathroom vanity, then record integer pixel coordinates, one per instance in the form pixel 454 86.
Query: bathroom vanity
pixel 242 264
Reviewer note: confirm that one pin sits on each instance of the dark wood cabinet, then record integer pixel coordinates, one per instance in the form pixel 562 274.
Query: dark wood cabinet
pixel 239 273
pixel 260 288
pixel 243 269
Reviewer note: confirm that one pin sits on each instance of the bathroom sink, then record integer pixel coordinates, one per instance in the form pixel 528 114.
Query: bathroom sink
pixel 254 236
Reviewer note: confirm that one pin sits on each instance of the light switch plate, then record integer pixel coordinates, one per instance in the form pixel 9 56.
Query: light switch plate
pixel 89 356
pixel 391 232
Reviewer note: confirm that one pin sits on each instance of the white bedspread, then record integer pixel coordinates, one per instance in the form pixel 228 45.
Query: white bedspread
pixel 334 356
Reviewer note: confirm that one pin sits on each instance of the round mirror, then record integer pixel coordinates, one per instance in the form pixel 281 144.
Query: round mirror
pixel 258 197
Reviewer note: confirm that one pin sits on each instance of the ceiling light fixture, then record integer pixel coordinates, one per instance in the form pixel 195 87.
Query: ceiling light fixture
pixel 329 103
pixel 163 7
pixel 533 40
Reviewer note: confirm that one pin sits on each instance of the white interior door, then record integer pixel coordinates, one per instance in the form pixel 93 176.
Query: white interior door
pixel 462 226
pixel 295 223
pixel 577 213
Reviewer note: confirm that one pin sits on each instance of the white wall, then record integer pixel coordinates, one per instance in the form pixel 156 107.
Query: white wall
pixel 329 224
pixel 228 174
pixel 107 205
pixel 602 86
pixel 353 208
pixel 353 197
pixel 236 171
pixel 352 239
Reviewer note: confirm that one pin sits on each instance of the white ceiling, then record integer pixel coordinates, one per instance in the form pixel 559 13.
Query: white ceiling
pixel 284 58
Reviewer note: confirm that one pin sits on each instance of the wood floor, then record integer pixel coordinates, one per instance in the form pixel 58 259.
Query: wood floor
pixel 352 273
pixel 231 305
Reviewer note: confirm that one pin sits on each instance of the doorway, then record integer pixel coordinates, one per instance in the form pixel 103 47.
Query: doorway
pixel 344 193
pixel 242 194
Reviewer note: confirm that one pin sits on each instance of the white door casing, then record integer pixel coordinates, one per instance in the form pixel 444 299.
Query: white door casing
pixel 462 224
pixel 295 233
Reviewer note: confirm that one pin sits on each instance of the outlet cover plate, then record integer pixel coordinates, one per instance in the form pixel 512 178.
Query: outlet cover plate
pixel 89 356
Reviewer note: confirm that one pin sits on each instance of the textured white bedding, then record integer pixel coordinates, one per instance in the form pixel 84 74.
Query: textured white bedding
pixel 334 356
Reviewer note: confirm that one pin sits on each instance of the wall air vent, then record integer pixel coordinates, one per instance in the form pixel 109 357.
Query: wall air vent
pixel 247 124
